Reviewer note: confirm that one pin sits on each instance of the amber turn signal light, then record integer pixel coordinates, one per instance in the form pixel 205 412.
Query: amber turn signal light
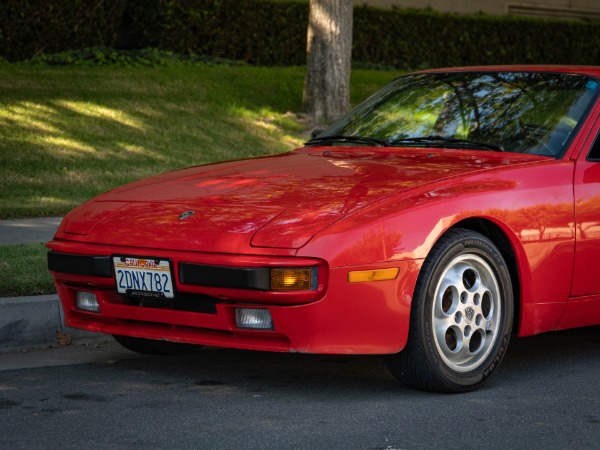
pixel 292 279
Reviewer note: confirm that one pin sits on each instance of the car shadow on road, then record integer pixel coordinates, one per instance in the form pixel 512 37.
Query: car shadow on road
pixel 553 354
pixel 548 357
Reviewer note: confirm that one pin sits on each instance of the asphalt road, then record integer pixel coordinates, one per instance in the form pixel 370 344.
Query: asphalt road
pixel 545 396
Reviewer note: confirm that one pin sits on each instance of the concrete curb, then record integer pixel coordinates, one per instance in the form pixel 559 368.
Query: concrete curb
pixel 29 322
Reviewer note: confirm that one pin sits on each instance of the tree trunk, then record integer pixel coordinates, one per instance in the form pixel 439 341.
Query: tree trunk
pixel 329 53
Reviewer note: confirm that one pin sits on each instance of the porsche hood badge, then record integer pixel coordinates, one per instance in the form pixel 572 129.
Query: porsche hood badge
pixel 186 214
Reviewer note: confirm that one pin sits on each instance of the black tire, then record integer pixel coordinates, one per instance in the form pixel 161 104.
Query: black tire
pixel 461 316
pixel 153 347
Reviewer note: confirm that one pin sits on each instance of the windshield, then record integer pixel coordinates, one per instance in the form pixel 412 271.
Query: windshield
pixel 524 112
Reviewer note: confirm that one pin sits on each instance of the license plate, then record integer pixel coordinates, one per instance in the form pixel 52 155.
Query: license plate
pixel 145 277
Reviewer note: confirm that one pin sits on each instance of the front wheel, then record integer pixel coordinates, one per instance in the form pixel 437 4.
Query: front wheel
pixel 154 347
pixel 461 316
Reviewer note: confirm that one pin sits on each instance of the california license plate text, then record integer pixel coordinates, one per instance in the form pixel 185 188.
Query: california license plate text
pixel 143 275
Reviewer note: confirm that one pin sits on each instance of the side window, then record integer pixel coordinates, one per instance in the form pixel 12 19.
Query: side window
pixel 594 154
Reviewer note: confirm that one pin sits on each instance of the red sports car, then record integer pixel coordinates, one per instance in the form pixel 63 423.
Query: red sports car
pixel 448 211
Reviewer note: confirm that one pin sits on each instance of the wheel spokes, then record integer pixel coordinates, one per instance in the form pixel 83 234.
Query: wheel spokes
pixel 466 312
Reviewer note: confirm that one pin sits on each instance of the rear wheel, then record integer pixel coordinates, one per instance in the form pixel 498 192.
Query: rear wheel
pixel 461 316
pixel 153 347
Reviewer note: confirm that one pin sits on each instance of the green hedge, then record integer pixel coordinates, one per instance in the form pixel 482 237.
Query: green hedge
pixel 424 38
pixel 32 27
pixel 274 33
pixel 257 32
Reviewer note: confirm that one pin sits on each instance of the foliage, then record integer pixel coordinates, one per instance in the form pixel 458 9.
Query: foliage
pixel 264 32
pixel 273 33
pixel 106 56
pixel 422 38
pixel 32 27
pixel 258 32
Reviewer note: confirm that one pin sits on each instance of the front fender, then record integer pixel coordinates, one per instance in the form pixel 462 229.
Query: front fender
pixel 532 205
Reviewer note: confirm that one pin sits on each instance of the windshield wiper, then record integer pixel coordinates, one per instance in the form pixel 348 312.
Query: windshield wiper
pixel 329 140
pixel 461 143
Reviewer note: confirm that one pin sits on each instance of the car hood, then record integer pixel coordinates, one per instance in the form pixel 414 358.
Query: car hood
pixel 274 202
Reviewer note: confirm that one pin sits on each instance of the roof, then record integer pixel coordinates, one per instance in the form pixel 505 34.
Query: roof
pixel 593 71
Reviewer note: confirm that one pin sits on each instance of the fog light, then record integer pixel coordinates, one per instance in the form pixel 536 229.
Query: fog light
pixel 87 301
pixel 257 319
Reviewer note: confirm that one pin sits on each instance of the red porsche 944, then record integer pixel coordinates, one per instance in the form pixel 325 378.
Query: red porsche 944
pixel 449 211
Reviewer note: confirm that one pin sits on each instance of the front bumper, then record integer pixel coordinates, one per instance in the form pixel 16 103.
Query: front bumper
pixel 337 317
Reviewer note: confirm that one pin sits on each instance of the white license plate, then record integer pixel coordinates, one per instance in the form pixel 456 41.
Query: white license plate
pixel 146 277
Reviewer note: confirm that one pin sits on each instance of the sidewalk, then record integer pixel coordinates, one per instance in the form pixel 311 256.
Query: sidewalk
pixel 27 322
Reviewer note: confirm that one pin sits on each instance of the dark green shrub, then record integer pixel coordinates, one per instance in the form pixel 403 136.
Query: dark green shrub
pixel 106 56
pixel 427 39
pixel 32 27
pixel 265 32
pixel 274 33
pixel 258 32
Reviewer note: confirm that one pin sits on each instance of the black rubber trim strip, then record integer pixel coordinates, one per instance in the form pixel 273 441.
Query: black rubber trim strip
pixel 96 266
pixel 256 278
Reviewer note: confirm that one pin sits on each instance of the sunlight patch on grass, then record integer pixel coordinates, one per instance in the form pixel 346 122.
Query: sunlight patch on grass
pixel 132 148
pixel 266 124
pixel 63 176
pixel 270 124
pixel 50 200
pixel 28 115
pixel 96 111
pixel 65 146
pixel 39 201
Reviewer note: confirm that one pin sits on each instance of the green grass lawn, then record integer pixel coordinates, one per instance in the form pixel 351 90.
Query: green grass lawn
pixel 23 270
pixel 69 133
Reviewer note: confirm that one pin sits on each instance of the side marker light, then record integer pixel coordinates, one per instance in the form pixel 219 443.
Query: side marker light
pixel 363 276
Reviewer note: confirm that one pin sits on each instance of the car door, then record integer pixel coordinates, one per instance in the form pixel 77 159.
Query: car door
pixel 583 307
pixel 586 271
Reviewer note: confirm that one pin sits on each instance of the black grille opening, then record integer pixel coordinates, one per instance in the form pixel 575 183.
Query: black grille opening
pixel 182 302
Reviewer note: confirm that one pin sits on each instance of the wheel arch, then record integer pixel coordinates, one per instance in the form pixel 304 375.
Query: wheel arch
pixel 494 233
pixel 419 364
